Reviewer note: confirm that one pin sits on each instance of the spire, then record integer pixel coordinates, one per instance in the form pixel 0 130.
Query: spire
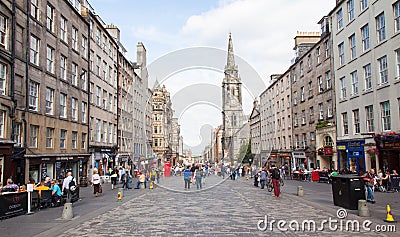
pixel 231 57
pixel 157 85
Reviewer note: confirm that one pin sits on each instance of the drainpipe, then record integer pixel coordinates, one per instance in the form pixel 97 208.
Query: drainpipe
pixel 12 111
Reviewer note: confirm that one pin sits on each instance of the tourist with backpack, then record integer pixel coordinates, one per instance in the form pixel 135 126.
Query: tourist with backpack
pixel 187 175
pixel 69 186
pixel 276 177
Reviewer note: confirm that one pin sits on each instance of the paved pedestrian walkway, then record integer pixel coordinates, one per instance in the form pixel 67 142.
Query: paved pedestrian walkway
pixel 231 208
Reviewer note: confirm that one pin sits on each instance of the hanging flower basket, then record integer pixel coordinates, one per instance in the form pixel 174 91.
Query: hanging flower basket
pixel 373 151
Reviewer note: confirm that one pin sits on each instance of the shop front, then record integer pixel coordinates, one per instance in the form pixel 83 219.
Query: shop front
pixel 351 156
pixel 299 160
pixel 325 158
pixel 388 151
pixel 102 159
pixel 56 166
pixel 6 151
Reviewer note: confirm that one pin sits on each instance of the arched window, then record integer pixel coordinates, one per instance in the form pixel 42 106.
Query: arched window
pixel 328 141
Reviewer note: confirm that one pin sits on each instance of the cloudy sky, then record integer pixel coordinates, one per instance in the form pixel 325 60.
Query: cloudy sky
pixel 262 32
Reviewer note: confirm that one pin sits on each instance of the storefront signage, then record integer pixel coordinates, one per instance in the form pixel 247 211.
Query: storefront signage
pixel 273 156
pixel 356 153
pixel 354 144
pixel 284 154
pixel 391 144
pixel 300 154
pixel 64 158
pixel 13 203
pixel 328 151
pixel 341 147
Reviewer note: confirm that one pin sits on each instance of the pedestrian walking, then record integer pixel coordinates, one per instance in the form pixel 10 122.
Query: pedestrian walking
pixel 263 178
pixel 187 175
pixel 69 185
pixel 198 174
pixel 114 178
pixel 369 180
pixel 276 177
pixel 96 183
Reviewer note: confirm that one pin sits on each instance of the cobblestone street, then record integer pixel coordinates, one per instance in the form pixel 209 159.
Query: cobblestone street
pixel 230 208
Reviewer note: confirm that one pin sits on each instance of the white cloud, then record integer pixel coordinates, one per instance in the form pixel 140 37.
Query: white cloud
pixel 262 31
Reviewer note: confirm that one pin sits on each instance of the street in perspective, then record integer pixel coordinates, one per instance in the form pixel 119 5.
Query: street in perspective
pixel 200 118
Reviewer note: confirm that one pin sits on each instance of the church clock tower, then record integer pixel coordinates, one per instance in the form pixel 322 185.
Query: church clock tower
pixel 232 111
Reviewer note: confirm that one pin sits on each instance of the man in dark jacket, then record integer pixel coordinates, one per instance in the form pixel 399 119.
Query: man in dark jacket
pixel 276 177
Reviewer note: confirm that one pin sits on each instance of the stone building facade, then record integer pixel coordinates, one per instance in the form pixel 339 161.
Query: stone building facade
pixel 48 86
pixel 255 133
pixel 366 50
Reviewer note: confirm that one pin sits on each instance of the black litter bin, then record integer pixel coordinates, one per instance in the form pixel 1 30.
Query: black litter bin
pixel 347 190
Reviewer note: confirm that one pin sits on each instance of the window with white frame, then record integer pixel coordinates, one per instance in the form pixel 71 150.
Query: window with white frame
pixel 98 61
pixel 33 95
pixel 105 67
pixel 339 17
pixel 83 141
pixel 328 141
pixel 50 18
pixel 312 113
pixel 35 13
pixel 330 108
pixel 63 67
pixel 369 118
pixel 63 139
pixel 33 136
pixel 84 47
pixel 367 77
pixel 74 140
pixel 398 63
pixel 327 46
pixel 110 101
pixel 354 83
pixel 98 35
pixel 396 13
pixel 283 104
pixel 365 37
pixel 383 70
pixel 318 54
pixel 294 77
pixel 91 56
pixel 304 135
pixel 3 78
pixel 321 111
pixel 49 101
pixel 74 109
pixel 385 113
pixel 83 79
pixel 303 95
pixel 2 123
pixel 341 54
pixel 350 10
pixel 380 27
pixel 97 131
pixel 297 141
pixel 74 74
pixel 288 101
pixel 363 4
pixel 104 132
pixel 63 29
pixel 320 84
pixel 328 78
pixel 345 124
pixel 105 99
pixel 18 134
pixel 91 90
pixel 352 43
pixel 63 105
pixel 356 120
pixel 310 89
pixel 74 37
pixel 98 95
pixel 49 137
pixel 3 31
pixel 110 132
pixel 289 122
pixel 303 117
pixel 312 136
pixel 50 59
pixel 84 112
pixel 34 50
pixel 296 120
pixel 343 94
pixel 295 98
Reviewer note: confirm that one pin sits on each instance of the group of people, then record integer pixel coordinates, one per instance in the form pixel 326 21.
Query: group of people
pixel 57 188
pixel 195 173
pixel 377 181
pixel 266 174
